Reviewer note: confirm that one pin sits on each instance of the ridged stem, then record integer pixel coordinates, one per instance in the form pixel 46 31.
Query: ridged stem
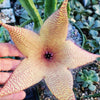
pixel 29 6
pixel 50 7
pixel 26 22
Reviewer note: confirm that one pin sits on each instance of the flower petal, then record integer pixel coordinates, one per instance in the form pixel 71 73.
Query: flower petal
pixel 60 82
pixel 7 49
pixel 25 40
pixel 28 73
pixel 75 56
pixel 56 26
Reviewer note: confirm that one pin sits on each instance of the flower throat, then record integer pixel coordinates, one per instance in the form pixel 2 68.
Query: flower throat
pixel 48 55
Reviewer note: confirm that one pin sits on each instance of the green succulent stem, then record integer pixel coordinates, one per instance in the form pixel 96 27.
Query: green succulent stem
pixel 1 1
pixel 50 7
pixel 29 6
pixel 68 10
pixel 26 22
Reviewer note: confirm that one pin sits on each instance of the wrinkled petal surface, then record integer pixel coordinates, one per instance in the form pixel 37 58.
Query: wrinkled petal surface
pixel 25 40
pixel 60 82
pixel 55 27
pixel 75 56
pixel 28 73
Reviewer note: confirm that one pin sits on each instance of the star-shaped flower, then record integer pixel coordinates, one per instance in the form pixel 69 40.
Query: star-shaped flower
pixel 48 56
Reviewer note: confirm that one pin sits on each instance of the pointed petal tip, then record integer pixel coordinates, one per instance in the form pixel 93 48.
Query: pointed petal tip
pixel 22 79
pixel 56 26
pixel 7 26
pixel 64 83
pixel 4 25
pixel 77 56
pixel 64 3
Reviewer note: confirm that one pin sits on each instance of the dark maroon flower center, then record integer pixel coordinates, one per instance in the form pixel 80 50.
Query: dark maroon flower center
pixel 48 55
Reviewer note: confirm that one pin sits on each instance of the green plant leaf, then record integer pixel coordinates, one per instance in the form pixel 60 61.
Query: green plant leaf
pixel 80 24
pixel 78 17
pixel 50 7
pixel 86 2
pixel 89 82
pixel 4 36
pixel 85 24
pixel 92 87
pixel 33 13
pixel 40 0
pixel 1 1
pixel 84 77
pixel 97 9
pixel 92 46
pixel 93 33
pixel 79 5
pixel 68 9
pixel 91 21
pixel 98 59
pixel 88 11
pixel 25 15
pixel 95 78
pixel 35 1
pixel 97 24
pixel 80 73
pixel 2 40
pixel 60 0
pixel 92 43
pixel 79 79
pixel 91 72
pixel 94 2
pixel 85 71
pixel 85 84
pixel 72 4
pixel 97 40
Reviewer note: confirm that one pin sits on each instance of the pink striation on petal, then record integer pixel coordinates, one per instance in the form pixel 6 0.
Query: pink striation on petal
pixel 60 82
pixel 25 40
pixel 76 56
pixel 28 73
pixel 55 27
